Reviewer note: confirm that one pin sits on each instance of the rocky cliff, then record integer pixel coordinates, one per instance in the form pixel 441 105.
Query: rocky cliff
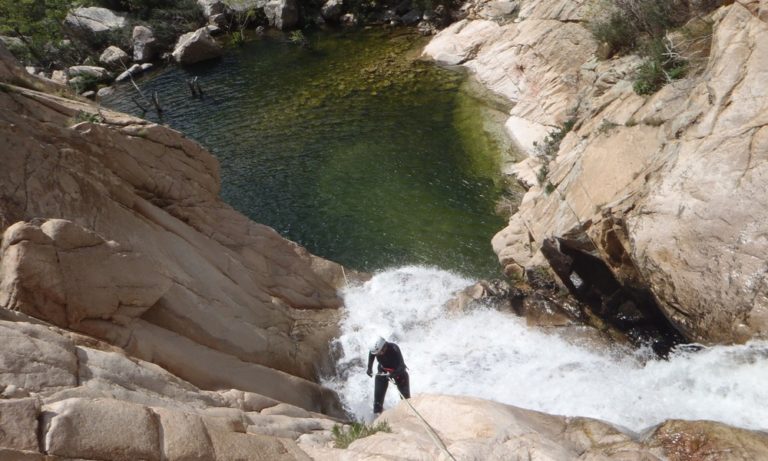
pixel 665 191
pixel 112 228
pixel 143 318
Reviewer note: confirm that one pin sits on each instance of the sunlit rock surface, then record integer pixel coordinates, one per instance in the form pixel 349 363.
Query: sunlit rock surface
pixel 113 227
pixel 474 429
pixel 666 190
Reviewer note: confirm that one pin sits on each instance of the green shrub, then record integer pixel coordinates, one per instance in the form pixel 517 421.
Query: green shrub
pixel 662 65
pixel 622 24
pixel 551 144
pixel 237 38
pixel 90 117
pixel 343 438
pixel 616 32
pixel 36 22
pixel 297 37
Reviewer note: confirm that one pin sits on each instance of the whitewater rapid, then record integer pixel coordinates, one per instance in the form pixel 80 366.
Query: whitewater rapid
pixel 494 355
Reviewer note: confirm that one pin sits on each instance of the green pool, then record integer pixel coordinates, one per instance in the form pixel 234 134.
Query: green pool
pixel 352 147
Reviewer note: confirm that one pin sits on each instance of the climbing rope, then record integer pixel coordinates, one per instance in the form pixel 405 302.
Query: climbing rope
pixel 430 430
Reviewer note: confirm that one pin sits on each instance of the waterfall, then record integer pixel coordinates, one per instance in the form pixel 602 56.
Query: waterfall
pixel 494 355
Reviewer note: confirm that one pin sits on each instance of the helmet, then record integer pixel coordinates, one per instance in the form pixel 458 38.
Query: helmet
pixel 378 346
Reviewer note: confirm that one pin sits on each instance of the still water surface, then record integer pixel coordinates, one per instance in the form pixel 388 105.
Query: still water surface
pixel 351 147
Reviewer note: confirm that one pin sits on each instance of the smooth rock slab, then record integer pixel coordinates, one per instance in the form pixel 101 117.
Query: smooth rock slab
pixel 185 437
pixel 35 359
pixel 94 20
pixel 101 429
pixel 18 424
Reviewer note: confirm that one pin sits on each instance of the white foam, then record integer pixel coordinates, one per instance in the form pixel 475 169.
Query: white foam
pixel 493 355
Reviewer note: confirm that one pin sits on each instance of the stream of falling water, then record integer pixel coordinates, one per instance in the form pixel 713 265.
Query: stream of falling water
pixel 494 355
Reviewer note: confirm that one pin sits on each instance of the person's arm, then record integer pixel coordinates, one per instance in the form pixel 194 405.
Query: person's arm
pixel 369 370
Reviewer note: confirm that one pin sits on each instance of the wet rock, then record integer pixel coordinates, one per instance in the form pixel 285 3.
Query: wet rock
pixel 495 293
pixel 214 29
pixel 332 10
pixel 349 19
pixel 426 28
pixel 196 46
pixel 412 17
pixel 282 14
pixel 691 440
pixel 106 91
pixel 212 8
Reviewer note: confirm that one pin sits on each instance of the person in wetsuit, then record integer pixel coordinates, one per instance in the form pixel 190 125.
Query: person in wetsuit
pixel 391 365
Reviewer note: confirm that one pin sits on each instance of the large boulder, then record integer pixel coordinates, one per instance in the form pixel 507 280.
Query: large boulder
pixel 144 44
pixel 65 274
pixel 332 9
pixel 94 23
pixel 196 46
pixel 114 57
pixel 213 7
pixel 94 73
pixel 282 14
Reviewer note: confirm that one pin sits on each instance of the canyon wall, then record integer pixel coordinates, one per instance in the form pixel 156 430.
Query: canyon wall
pixel 667 191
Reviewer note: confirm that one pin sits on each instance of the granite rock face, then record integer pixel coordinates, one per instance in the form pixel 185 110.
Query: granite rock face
pixel 472 428
pixel 196 46
pixel 114 228
pixel 94 23
pixel 663 190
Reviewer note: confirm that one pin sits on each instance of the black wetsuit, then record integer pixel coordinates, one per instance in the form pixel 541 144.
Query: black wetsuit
pixel 390 361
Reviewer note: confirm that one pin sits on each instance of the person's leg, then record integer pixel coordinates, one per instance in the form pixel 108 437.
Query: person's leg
pixel 404 385
pixel 379 391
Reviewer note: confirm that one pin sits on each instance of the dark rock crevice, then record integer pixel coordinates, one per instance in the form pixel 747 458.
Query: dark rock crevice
pixel 627 307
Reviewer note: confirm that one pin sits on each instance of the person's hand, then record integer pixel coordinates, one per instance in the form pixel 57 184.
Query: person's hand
pixel 369 373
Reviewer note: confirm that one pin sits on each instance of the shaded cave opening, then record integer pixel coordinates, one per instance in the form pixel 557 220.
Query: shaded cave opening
pixel 631 310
